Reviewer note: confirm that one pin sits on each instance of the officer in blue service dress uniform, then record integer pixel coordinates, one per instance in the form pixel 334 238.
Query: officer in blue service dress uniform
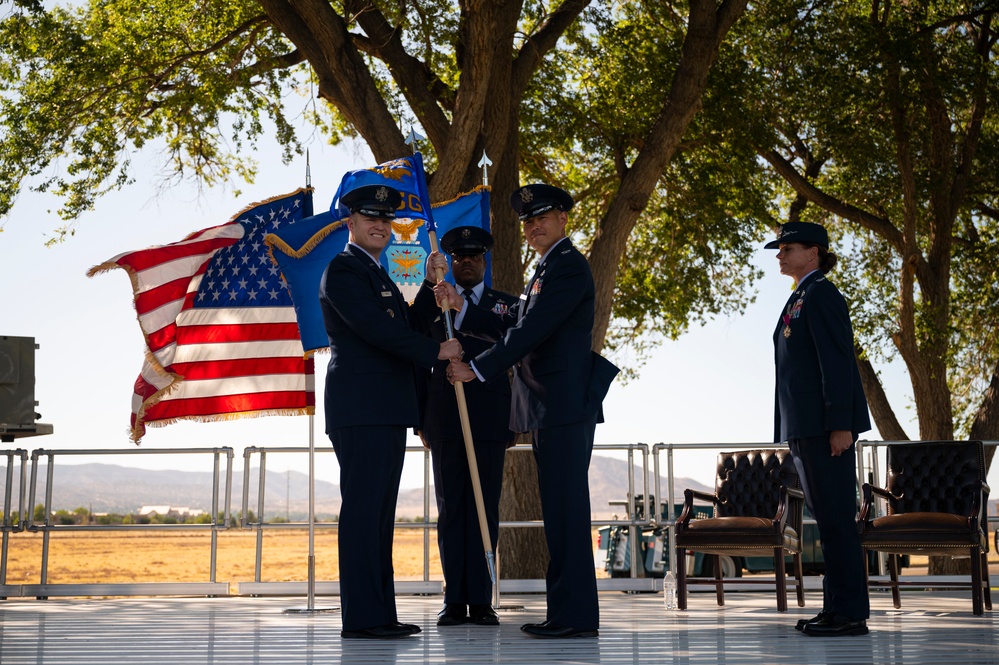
pixel 371 400
pixel 558 386
pixel 467 586
pixel 820 409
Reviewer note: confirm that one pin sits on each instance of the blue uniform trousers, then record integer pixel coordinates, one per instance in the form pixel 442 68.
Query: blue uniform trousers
pixel 830 487
pixel 463 557
pixel 563 457
pixel 371 459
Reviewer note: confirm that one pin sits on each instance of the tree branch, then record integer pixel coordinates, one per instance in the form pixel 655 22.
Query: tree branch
pixel 541 42
pixel 800 184
pixel 482 46
pixel 979 107
pixel 884 416
pixel 425 93
pixel 284 61
pixel 344 78
pixel 707 26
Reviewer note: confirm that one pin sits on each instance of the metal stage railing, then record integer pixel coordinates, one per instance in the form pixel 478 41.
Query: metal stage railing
pixel 220 501
pixel 12 521
pixel 18 516
pixel 426 585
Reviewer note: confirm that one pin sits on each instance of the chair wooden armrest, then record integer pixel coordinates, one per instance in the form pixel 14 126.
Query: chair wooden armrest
pixel 688 504
pixel 868 492
pixel 982 499
pixel 790 507
pixel 980 506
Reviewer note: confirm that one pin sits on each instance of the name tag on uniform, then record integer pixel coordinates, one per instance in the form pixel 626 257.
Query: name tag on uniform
pixel 523 296
pixel 386 294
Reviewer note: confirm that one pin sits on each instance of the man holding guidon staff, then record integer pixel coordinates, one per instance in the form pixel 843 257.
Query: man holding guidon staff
pixel 467 585
pixel 558 386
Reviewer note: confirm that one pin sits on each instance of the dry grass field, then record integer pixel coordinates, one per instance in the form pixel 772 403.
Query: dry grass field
pixel 95 557
pixel 88 557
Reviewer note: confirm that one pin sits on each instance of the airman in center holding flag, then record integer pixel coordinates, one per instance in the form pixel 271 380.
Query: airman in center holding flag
pixel 371 400
pixel 467 585
pixel 558 387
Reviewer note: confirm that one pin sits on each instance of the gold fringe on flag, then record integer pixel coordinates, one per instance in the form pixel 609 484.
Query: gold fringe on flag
pixel 273 241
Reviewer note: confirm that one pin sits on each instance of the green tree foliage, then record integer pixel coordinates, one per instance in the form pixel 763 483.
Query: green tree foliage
pixel 592 95
pixel 880 121
pixel 688 258
pixel 574 93
pixel 86 86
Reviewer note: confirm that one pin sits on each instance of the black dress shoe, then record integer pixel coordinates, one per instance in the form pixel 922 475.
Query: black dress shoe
pixel 555 631
pixel 534 625
pixel 452 615
pixel 804 622
pixel 387 632
pixel 482 615
pixel 411 627
pixel 834 625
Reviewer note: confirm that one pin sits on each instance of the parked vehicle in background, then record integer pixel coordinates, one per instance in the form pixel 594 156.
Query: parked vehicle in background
pixel 614 545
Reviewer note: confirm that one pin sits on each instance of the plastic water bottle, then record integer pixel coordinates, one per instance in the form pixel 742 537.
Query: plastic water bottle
pixel 669 591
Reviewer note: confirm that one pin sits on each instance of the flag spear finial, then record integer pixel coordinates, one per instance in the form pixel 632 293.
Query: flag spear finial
pixel 414 139
pixel 485 163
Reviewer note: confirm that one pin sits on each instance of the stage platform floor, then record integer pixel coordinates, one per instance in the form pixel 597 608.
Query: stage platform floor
pixel 933 627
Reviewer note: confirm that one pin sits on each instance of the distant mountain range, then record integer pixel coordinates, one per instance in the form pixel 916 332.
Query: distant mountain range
pixel 109 488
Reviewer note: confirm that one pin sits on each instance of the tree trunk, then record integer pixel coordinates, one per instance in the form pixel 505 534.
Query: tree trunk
pixel 707 26
pixel 986 424
pixel 484 114
pixel 945 565
pixel 523 552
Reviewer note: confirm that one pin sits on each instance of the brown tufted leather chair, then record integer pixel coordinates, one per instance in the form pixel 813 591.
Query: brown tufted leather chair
pixel 937 505
pixel 758 507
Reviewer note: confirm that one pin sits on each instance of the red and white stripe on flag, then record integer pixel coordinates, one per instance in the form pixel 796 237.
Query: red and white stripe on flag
pixel 221 333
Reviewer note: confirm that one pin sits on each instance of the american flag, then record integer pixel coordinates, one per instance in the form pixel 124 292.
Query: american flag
pixel 221 335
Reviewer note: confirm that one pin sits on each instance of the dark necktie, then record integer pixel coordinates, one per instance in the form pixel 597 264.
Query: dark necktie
pixel 469 295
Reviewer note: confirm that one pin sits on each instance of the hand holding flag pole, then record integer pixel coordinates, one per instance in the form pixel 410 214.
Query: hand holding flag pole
pixel 459 389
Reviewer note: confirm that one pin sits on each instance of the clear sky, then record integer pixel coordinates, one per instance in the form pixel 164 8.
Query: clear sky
pixel 713 385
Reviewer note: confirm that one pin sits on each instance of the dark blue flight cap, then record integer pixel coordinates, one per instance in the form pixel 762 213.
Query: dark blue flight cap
pixel 531 200
pixel 805 233
pixel 373 201
pixel 466 240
